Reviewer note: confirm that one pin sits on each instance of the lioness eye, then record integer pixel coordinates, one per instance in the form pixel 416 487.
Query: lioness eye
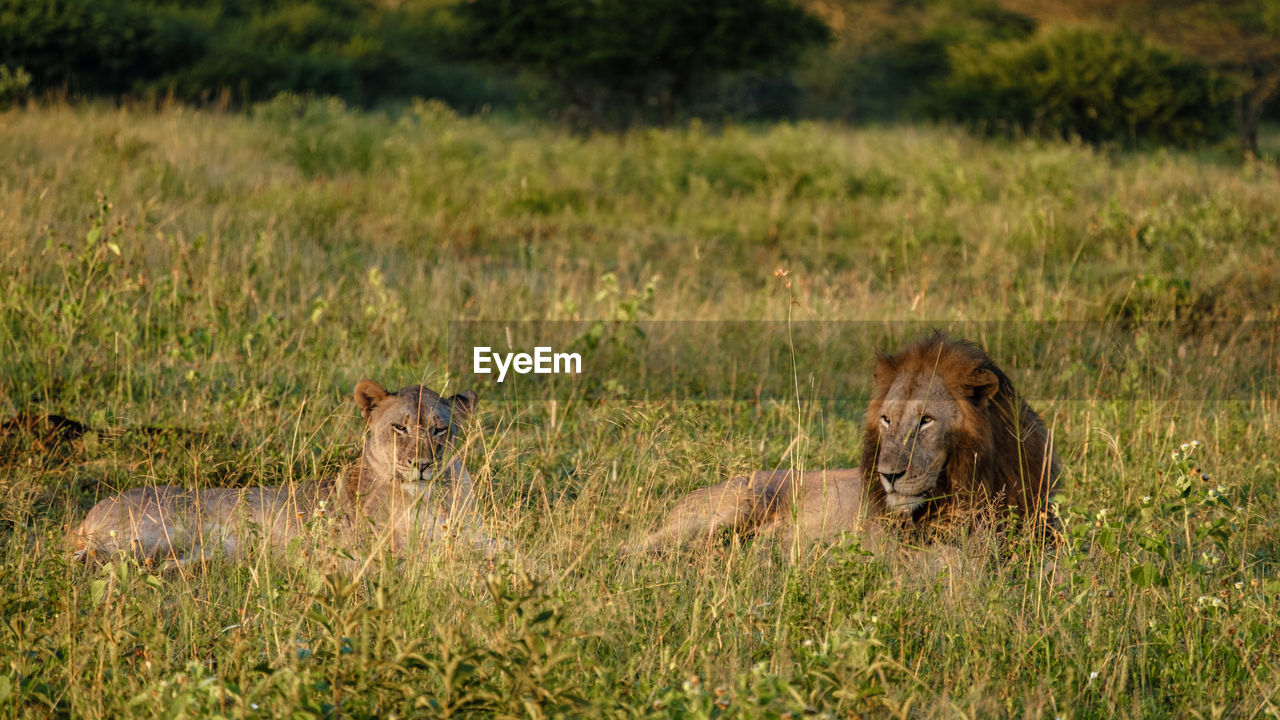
pixel 439 431
pixel 925 420
pixel 401 429
pixel 885 419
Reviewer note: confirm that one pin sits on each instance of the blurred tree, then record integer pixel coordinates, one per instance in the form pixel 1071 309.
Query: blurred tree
pixel 1240 38
pixel 640 53
pixel 888 55
pixel 101 46
pixel 1100 85
pixel 366 51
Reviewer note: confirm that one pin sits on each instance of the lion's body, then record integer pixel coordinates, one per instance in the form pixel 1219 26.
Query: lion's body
pixel 944 431
pixel 816 505
pixel 407 489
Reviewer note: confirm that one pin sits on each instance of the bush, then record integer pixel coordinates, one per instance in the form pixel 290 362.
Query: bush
pixel 888 54
pixel 95 46
pixel 13 85
pixel 253 49
pixel 612 60
pixel 1099 86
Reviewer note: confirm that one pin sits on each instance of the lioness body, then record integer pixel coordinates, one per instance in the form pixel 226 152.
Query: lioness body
pixel 407 489
pixel 944 430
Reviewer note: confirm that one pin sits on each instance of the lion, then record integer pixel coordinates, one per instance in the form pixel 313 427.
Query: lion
pixel 945 434
pixel 409 486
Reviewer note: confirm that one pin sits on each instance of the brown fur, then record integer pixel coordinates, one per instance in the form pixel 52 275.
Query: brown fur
pixel 1000 454
pixel 815 505
pixel 991 451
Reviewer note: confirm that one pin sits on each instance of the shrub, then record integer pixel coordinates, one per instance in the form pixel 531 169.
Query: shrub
pixel 888 54
pixel 1099 86
pixel 254 49
pixel 618 58
pixel 98 46
pixel 13 85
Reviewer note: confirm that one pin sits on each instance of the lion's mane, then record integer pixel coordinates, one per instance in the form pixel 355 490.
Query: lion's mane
pixel 999 453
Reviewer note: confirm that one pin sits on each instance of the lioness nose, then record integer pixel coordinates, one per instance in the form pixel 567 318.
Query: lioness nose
pixel 422 470
pixel 892 477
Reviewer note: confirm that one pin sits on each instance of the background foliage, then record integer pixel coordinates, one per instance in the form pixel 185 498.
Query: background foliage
pixel 609 55
pixel 248 50
pixel 1096 85
pixel 1023 66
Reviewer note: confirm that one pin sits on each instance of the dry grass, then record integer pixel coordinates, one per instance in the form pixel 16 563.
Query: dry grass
pixel 245 271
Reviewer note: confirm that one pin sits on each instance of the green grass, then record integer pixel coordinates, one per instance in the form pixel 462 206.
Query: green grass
pixel 231 277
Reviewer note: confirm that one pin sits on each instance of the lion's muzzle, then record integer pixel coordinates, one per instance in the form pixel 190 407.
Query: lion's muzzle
pixel 902 504
pixel 908 489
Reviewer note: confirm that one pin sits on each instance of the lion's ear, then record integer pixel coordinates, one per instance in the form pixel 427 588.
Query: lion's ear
pixel 367 395
pixel 884 369
pixel 982 385
pixel 463 403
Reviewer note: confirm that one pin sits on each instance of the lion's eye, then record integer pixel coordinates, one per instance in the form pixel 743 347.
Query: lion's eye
pixel 885 419
pixel 925 420
pixel 400 429
pixel 439 432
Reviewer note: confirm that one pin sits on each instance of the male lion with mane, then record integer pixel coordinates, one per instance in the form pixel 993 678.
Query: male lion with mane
pixel 945 434
pixel 409 487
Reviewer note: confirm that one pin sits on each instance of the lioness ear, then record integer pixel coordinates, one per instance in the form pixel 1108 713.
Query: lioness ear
pixel 982 386
pixel 367 395
pixel 463 403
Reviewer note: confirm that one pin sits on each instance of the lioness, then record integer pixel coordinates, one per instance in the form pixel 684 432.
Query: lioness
pixel 945 429
pixel 408 484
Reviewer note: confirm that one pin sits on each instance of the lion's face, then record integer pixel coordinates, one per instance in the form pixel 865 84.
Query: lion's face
pixel 411 431
pixel 914 425
pixel 928 422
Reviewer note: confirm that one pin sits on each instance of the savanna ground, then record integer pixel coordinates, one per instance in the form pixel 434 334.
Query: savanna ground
pixel 204 290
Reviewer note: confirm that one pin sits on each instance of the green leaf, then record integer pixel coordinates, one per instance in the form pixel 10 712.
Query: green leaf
pixel 1146 575
pixel 1158 546
pixel 98 590
pixel 1106 539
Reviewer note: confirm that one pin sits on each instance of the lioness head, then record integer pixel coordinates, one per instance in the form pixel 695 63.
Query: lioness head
pixel 944 424
pixel 411 431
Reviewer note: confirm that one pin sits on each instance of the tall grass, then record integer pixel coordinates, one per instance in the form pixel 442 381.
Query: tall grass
pixel 205 290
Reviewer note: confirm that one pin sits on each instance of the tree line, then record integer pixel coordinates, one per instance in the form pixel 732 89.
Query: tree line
pixel 1129 72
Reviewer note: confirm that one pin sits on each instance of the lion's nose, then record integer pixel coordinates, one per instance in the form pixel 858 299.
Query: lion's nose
pixel 890 478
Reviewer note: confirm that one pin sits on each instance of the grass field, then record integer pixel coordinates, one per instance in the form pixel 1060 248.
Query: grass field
pixel 205 289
